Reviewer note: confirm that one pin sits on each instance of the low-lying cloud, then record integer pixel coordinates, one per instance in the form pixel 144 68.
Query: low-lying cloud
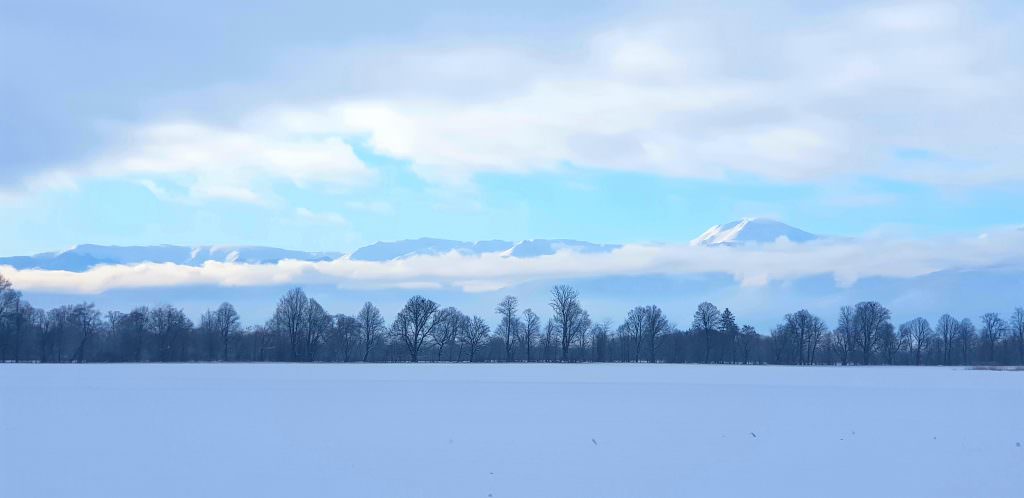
pixel 847 261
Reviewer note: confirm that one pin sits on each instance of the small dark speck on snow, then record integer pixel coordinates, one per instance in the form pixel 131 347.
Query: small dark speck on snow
pixel 752 434
pixel 595 442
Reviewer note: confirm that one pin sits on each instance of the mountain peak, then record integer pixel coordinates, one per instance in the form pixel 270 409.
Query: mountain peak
pixel 751 231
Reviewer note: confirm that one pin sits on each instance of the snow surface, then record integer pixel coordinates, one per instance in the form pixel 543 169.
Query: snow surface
pixel 508 431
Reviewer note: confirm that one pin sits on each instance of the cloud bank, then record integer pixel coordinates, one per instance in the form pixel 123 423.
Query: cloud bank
pixel 845 260
pixel 784 94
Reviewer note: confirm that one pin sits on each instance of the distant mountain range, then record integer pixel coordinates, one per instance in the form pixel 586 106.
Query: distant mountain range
pixel 81 258
pixel 384 251
pixel 965 291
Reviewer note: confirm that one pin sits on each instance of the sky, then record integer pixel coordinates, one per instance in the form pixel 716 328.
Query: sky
pixel 331 125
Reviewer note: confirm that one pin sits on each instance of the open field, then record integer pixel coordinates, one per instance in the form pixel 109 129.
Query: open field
pixel 508 431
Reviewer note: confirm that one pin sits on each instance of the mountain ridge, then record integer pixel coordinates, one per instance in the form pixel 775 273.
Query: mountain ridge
pixel 82 257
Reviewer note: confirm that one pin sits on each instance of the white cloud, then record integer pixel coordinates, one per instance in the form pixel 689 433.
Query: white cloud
pixel 210 162
pixel 801 102
pixel 846 260
pixel 786 95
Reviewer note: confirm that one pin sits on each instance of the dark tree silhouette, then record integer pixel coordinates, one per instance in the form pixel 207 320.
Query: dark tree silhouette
pixel 415 323
pixel 371 327
pixel 568 316
pixel 300 329
pixel 706 322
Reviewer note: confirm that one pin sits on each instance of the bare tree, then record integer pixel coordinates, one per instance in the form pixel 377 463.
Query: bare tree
pixel 655 325
pixel 1017 328
pixel 568 315
pixel 5 287
pixel 207 331
pixel 992 329
pixel 219 328
pixel 302 323
pixel 21 316
pixel 891 343
pixel 317 325
pixel 288 321
pixel 52 340
pixel 128 331
pixel 600 339
pixel 448 322
pixel 529 331
pixel 86 318
pixel 781 339
pixel 920 334
pixel 371 326
pixel 508 325
pixel 706 322
pixel 347 333
pixel 472 334
pixel 227 327
pixel 869 321
pixel 807 330
pixel 547 342
pixel 947 328
pixel 264 343
pixel 632 330
pixel 845 336
pixel 582 334
pixel 12 317
pixel 816 329
pixel 746 340
pixel 965 336
pixel 414 324
pixel 170 326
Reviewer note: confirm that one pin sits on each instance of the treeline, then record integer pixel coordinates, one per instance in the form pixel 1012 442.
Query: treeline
pixel 301 330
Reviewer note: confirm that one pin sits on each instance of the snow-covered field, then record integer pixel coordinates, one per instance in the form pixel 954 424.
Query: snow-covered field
pixel 508 431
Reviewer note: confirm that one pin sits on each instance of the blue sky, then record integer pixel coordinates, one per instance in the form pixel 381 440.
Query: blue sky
pixel 327 125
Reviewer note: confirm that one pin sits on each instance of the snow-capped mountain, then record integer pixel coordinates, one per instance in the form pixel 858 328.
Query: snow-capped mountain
pixel 751 231
pixel 83 257
pixel 544 247
pixel 386 251
pixel 968 291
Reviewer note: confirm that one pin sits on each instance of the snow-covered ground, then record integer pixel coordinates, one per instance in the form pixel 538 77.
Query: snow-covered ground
pixel 508 431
